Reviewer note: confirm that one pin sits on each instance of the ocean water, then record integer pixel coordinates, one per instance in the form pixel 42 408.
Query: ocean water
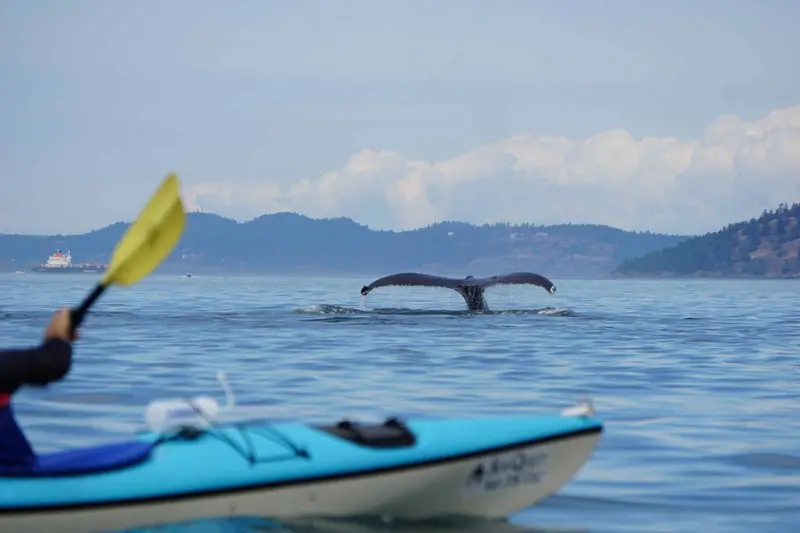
pixel 698 381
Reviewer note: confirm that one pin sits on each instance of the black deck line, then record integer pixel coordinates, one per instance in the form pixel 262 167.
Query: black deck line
pixel 411 465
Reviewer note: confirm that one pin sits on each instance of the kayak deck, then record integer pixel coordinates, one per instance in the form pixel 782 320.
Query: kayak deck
pixel 240 456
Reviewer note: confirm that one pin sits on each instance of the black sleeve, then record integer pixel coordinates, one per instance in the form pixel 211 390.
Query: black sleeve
pixel 48 362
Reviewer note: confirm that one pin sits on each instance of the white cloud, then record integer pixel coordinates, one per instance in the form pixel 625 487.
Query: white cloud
pixel 663 184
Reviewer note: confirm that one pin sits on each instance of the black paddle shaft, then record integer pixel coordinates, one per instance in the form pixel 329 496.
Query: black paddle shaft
pixel 77 315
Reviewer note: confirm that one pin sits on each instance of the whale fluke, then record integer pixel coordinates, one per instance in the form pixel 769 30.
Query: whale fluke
pixel 470 288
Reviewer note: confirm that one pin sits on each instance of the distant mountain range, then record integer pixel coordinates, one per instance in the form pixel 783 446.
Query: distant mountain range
pixel 288 243
pixel 767 246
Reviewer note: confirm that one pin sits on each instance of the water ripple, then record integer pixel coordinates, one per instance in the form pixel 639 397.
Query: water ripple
pixel 698 381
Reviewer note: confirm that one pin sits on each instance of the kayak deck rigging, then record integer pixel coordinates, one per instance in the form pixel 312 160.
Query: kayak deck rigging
pixel 245 430
pixel 392 433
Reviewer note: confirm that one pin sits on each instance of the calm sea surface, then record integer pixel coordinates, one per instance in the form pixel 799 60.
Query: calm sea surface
pixel 698 381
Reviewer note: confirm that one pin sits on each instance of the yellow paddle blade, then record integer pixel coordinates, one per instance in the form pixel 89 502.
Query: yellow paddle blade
pixel 151 238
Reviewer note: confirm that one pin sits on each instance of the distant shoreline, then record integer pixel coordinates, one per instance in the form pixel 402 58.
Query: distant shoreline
pixel 372 276
pixel 293 245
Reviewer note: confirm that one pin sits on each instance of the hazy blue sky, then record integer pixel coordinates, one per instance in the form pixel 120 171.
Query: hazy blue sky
pixel 663 115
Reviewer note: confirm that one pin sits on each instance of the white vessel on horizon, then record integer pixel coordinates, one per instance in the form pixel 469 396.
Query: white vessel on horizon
pixel 59 262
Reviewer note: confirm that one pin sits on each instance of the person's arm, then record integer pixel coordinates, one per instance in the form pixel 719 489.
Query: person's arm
pixel 48 362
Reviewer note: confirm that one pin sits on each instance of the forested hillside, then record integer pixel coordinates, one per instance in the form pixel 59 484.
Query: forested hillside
pixel 765 246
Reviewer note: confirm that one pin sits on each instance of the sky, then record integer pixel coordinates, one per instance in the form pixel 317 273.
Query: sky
pixel 672 116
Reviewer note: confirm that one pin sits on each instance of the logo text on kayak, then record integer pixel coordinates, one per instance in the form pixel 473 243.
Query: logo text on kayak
pixel 505 471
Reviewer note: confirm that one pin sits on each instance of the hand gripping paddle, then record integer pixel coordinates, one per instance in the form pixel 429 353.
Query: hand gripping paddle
pixel 144 246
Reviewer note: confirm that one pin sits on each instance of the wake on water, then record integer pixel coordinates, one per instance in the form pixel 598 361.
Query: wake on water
pixel 331 309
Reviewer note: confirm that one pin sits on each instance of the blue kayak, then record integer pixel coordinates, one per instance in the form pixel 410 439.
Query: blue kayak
pixel 413 469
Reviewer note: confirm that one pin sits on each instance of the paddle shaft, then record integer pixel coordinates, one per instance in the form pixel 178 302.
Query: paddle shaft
pixel 77 315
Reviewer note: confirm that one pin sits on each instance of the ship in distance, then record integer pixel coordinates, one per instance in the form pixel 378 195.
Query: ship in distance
pixel 61 263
